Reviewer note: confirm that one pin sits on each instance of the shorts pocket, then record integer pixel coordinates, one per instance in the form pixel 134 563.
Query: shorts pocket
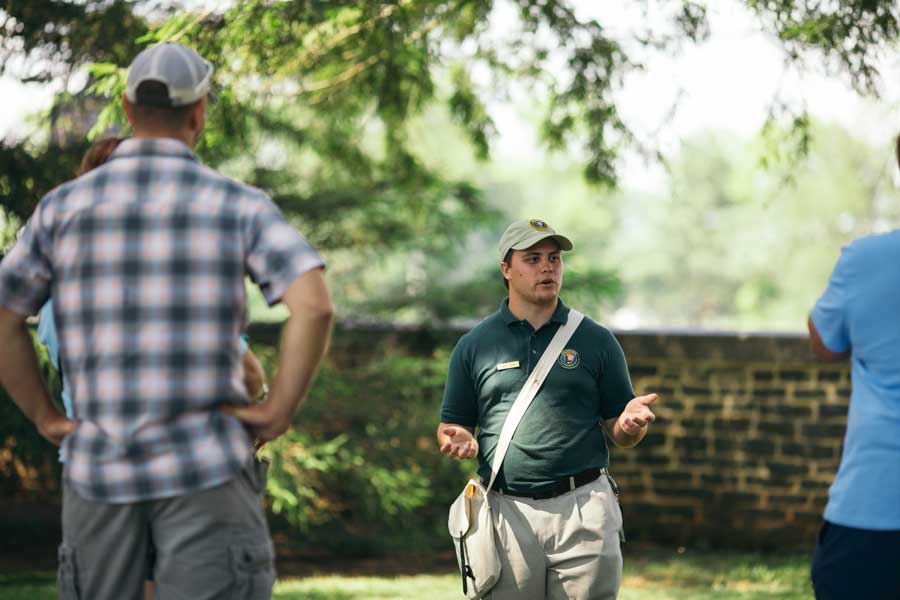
pixel 67 573
pixel 253 568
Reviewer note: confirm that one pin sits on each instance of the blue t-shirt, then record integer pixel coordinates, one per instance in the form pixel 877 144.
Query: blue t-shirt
pixel 860 312
pixel 47 336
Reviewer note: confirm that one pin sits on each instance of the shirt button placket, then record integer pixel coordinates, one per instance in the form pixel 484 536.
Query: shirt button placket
pixel 531 355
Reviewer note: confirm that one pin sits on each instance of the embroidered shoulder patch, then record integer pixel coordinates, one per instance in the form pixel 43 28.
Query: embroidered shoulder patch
pixel 569 359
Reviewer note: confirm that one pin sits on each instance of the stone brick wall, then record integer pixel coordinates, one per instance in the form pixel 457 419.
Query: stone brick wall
pixel 746 445
pixel 747 441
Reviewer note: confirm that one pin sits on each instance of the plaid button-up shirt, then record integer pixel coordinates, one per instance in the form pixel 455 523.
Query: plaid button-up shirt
pixel 145 259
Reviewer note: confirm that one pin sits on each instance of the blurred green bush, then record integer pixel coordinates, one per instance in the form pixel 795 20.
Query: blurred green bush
pixel 360 471
pixel 28 464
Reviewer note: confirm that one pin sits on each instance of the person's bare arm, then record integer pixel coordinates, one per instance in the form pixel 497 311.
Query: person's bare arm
pixel 254 375
pixel 457 441
pixel 304 338
pixel 629 428
pixel 818 346
pixel 20 375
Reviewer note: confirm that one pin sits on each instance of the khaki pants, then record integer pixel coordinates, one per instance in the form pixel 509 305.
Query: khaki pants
pixel 559 548
pixel 210 544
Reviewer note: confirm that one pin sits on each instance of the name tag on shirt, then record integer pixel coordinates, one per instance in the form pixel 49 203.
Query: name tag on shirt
pixel 508 365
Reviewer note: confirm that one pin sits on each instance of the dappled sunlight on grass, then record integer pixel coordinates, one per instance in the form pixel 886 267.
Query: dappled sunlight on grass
pixel 19 585
pixel 662 575
pixel 652 575
pixel 370 588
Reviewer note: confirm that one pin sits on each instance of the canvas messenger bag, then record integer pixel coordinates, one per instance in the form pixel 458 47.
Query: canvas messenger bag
pixel 470 521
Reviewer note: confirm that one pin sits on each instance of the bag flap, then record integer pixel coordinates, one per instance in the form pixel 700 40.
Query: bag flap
pixel 459 521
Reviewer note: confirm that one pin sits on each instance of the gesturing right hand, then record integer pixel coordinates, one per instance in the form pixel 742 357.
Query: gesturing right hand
pixel 458 442
pixel 637 414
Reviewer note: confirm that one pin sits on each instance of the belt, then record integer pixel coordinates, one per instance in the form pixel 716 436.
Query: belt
pixel 563 487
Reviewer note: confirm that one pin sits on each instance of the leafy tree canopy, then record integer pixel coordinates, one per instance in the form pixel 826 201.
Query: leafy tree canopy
pixel 347 64
pixel 315 98
pixel 741 249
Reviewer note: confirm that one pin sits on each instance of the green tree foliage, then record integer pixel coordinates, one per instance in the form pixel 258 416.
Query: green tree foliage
pixel 48 39
pixel 733 246
pixel 26 174
pixel 360 471
pixel 316 98
pixel 28 464
pixel 851 34
pixel 374 475
pixel 348 65
pixel 846 38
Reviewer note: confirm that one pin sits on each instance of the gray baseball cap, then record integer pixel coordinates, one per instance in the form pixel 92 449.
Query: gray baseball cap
pixel 525 234
pixel 185 74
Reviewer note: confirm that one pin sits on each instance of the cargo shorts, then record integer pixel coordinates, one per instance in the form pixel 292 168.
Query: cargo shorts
pixel 213 543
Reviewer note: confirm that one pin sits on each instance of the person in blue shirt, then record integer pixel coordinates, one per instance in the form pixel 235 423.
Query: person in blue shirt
pixel 858 317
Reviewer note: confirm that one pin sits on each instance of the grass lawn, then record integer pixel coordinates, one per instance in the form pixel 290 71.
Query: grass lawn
pixel 654 574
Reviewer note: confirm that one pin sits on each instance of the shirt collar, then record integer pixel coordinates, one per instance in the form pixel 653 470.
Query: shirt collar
pixel 560 315
pixel 133 147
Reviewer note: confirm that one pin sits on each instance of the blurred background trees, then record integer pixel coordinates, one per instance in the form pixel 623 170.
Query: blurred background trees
pixel 369 123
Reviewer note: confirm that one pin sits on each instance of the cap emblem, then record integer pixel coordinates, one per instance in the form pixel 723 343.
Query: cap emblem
pixel 538 225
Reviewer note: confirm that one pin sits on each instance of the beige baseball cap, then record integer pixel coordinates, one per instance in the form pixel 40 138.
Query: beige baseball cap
pixel 525 234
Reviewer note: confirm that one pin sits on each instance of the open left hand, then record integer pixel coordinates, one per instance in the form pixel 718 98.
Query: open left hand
pixel 459 443
pixel 637 414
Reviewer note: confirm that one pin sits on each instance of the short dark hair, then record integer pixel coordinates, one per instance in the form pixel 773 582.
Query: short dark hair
pixel 153 107
pixel 508 260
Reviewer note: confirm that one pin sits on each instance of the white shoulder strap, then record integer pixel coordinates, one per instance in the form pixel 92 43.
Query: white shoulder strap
pixel 530 389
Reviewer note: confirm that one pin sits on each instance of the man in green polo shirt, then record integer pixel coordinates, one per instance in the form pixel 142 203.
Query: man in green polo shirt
pixel 555 507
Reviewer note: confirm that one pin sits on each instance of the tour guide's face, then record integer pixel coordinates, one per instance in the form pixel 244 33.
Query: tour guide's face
pixel 535 274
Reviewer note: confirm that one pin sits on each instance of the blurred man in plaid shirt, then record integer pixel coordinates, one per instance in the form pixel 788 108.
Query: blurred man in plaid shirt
pixel 145 258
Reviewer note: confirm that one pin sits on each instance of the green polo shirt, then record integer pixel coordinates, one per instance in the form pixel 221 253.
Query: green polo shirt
pixel 559 435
